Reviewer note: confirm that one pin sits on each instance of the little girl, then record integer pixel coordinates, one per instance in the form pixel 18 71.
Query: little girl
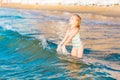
pixel 72 34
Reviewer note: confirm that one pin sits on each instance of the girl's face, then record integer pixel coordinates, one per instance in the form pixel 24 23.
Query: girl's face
pixel 72 20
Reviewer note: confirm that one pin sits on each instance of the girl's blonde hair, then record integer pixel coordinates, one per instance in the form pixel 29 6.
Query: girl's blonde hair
pixel 78 20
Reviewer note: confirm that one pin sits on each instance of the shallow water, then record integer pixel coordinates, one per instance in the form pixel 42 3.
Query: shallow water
pixel 29 38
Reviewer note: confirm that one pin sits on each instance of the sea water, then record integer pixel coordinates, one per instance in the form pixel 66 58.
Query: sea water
pixel 29 38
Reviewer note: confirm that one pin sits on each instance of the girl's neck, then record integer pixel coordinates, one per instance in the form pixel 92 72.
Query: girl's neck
pixel 72 26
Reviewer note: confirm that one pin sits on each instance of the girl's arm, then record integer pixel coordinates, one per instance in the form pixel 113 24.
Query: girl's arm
pixel 70 37
pixel 65 37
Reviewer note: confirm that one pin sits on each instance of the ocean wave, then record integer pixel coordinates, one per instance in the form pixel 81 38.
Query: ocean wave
pixel 101 23
pixel 11 17
pixel 27 54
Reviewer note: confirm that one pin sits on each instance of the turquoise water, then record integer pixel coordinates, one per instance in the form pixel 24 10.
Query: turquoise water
pixel 28 52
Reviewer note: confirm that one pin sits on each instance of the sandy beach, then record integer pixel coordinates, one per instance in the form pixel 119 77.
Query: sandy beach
pixel 104 10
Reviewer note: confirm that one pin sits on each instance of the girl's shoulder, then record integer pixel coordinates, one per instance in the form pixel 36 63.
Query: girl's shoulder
pixel 68 30
pixel 73 31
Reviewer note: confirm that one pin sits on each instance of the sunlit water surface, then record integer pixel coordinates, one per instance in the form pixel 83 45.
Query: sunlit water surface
pixel 29 38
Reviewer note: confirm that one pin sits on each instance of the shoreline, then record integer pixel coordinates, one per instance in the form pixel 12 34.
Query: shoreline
pixel 101 10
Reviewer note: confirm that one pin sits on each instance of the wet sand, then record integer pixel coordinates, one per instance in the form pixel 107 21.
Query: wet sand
pixel 104 10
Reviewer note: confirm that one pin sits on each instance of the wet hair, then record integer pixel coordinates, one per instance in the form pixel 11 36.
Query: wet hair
pixel 78 18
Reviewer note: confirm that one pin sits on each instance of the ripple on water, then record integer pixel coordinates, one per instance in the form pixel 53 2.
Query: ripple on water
pixel 27 53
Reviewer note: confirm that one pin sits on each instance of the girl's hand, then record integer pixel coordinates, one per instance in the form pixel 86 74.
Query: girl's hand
pixel 64 50
pixel 57 49
pixel 59 46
